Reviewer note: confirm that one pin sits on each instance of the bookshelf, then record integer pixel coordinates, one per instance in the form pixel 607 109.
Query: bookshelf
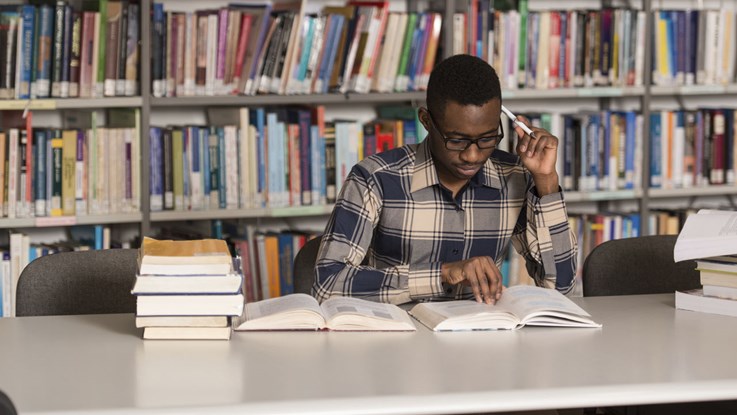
pixel 641 98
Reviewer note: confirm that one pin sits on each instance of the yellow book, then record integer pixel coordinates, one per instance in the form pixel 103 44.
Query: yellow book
pixel 198 257
pixel 272 264
pixel 68 172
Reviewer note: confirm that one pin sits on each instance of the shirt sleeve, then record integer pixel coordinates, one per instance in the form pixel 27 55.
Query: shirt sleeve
pixel 544 238
pixel 340 267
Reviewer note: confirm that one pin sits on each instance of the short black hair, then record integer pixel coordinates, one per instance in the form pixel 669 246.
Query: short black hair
pixel 464 79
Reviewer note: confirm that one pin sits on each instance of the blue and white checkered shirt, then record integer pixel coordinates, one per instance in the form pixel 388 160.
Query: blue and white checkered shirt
pixel 393 212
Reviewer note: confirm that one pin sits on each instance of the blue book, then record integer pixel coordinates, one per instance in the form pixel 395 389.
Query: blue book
pixel 592 137
pixel 43 70
pixel 656 168
pixel 414 49
pixel 326 67
pixel 316 166
pixel 28 13
pixel 99 237
pixel 305 152
pixel 39 182
pixel 286 263
pixel 221 171
pixel 186 167
pixel 193 134
pixel 156 176
pixel 205 160
pixel 257 118
pixel 629 149
pixel 272 160
pixel 605 152
pixel 301 69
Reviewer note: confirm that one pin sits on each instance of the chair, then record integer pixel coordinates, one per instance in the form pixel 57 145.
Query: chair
pixel 304 266
pixel 83 282
pixel 645 265
pixel 641 265
pixel 6 406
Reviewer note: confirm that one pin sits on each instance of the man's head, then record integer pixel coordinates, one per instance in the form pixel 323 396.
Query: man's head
pixel 463 79
pixel 462 117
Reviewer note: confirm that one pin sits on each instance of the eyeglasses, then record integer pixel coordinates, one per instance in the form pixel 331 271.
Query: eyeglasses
pixel 461 144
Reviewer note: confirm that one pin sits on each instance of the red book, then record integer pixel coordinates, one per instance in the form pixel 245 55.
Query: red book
pixel 240 56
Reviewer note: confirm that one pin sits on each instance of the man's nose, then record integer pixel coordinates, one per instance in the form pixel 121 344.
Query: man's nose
pixel 472 154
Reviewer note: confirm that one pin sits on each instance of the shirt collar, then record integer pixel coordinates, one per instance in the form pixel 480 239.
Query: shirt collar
pixel 425 174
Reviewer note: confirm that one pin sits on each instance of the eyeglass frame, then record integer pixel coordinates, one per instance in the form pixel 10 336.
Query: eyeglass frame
pixel 469 141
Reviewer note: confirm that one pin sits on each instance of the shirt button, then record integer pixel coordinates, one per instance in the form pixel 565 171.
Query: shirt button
pixel 449 290
pixel 455 252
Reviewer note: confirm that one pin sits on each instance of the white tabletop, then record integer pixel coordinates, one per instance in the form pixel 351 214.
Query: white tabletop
pixel 647 352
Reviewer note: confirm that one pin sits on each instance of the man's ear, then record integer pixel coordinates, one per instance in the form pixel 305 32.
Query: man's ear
pixel 424 117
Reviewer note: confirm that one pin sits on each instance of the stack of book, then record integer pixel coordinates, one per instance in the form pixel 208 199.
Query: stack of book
pixel 187 289
pixel 710 237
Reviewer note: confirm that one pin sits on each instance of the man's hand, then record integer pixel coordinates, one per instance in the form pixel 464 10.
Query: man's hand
pixel 480 273
pixel 538 155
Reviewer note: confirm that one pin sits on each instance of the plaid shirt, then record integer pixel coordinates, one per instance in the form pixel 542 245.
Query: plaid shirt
pixel 394 225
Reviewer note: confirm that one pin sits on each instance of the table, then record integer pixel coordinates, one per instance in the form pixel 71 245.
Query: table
pixel 646 352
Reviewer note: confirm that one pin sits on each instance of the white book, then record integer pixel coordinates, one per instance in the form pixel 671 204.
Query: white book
pixel 182 321
pixel 188 284
pixel 303 312
pixel 244 148
pixel 190 36
pixel 189 305
pixel 13 172
pixel 231 167
pixel 186 333
pixel 707 233
pixel 696 300
pixel 7 289
pixel 212 46
pixel 710 48
pixel 519 306
pixel 640 48
pixel 729 293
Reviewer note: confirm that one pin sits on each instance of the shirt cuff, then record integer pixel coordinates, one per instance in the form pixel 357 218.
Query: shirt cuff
pixel 549 210
pixel 424 280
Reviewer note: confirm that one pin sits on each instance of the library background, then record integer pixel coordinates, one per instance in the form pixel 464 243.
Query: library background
pixel 181 119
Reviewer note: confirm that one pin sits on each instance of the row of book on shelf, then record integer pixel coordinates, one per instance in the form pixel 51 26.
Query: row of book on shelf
pixel 709 238
pixel 72 171
pixel 237 160
pixel 64 51
pixel 279 48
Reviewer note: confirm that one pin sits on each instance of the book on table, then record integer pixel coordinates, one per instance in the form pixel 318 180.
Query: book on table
pixel 697 300
pixel 186 333
pixel 191 284
pixel 182 321
pixel 708 233
pixel 303 312
pixel 520 305
pixel 189 305
pixel 196 257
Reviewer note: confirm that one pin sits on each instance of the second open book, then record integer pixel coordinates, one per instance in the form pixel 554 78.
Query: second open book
pixel 519 306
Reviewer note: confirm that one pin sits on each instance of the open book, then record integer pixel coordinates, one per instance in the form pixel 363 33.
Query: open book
pixel 519 306
pixel 303 312
pixel 707 233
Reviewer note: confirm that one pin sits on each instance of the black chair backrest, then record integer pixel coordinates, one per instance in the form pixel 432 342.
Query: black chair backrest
pixel 304 266
pixel 641 265
pixel 84 282
pixel 6 406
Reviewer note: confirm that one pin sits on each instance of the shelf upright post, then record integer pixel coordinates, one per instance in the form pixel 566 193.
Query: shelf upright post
pixel 450 7
pixel 645 101
pixel 145 87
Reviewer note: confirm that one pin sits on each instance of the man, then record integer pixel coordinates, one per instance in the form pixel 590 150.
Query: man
pixel 432 221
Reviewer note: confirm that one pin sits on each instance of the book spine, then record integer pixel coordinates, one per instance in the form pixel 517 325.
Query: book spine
pixel 75 63
pixel 156 181
pixel 122 49
pixel 58 49
pixel 66 55
pixel 112 40
pixel 131 58
pixel 56 186
pixel 168 170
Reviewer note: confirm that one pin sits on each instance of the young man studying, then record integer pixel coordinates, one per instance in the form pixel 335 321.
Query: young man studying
pixel 432 221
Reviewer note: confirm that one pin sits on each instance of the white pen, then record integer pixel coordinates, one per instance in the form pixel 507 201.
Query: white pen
pixel 521 125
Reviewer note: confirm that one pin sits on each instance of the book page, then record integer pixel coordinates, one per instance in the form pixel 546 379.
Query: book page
pixel 358 314
pixel 281 305
pixel 706 234
pixel 526 300
pixel 291 312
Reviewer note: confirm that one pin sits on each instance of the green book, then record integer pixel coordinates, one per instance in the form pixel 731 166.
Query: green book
pixel 177 153
pixel 402 71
